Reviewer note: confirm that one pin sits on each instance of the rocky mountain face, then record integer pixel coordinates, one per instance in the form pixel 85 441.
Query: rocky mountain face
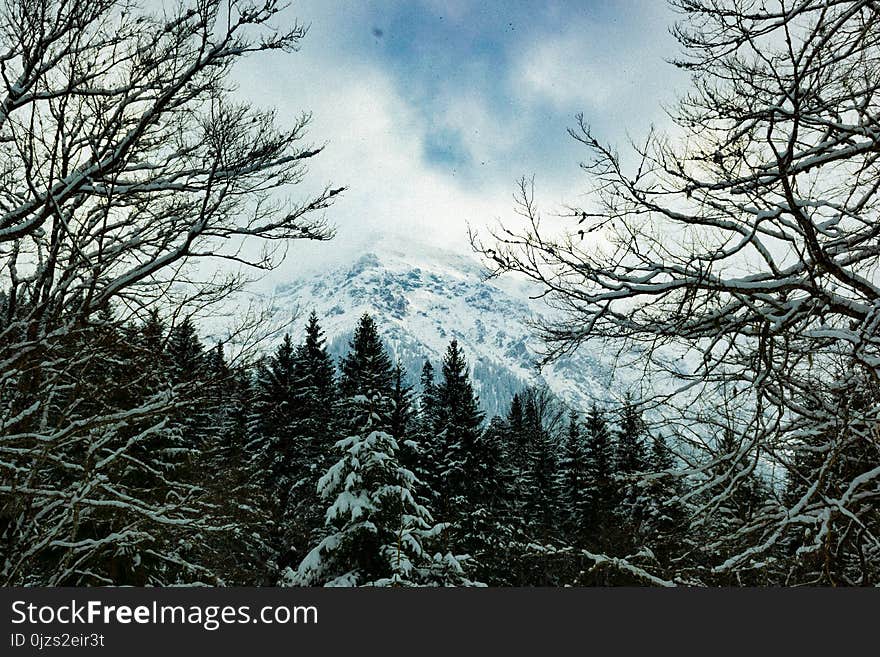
pixel 422 298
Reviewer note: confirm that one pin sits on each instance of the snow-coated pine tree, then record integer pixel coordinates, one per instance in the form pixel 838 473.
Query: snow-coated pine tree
pixel 629 450
pixel 275 411
pixel 186 351
pixel 407 429
pixel 517 458
pixel 459 421
pixel 427 464
pixel 488 533
pixel 629 465
pixel 599 459
pixel 230 474
pixel 428 397
pixel 314 392
pixel 403 409
pixel 665 516
pixel 311 435
pixel 377 531
pixel 276 408
pixel 540 477
pixel 573 483
pixel 366 369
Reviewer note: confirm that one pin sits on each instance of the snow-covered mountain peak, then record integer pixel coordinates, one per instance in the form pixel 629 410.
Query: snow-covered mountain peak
pixel 421 298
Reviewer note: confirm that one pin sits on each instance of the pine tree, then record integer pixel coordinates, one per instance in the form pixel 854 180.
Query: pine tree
pixel 188 363
pixel 314 384
pixel 427 466
pixel 404 422
pixel 230 478
pixel 540 477
pixel 458 427
pixel 492 481
pixel 491 534
pixel 629 449
pixel 665 516
pixel 275 407
pixel 186 351
pixel 428 398
pixel 629 465
pixel 151 335
pixel 376 528
pixel 366 370
pixel 573 483
pixel 312 437
pixel 403 412
pixel 518 440
pixel 276 395
pixel 599 476
pixel 275 378
pixel 517 457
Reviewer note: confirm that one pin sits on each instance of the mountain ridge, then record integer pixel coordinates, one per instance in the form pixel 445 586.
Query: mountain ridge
pixel 423 297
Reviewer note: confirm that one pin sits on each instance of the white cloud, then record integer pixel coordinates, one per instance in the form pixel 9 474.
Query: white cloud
pixel 376 136
pixel 376 148
pixel 545 72
pixel 482 133
pixel 618 77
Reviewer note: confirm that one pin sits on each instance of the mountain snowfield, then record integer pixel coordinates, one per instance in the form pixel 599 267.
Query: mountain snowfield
pixel 422 297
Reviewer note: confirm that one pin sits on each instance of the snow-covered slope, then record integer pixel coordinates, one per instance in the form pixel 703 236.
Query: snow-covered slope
pixel 421 298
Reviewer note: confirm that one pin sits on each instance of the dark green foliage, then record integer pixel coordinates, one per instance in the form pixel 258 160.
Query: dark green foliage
pixel 236 454
pixel 275 410
pixel 312 437
pixel 574 484
pixel 629 450
pixel 629 467
pixel 602 493
pixel 664 524
pixel 428 398
pixel 275 405
pixel 232 480
pixel 403 411
pixel 404 423
pixel 186 352
pixel 459 421
pixel 367 368
pixel 540 478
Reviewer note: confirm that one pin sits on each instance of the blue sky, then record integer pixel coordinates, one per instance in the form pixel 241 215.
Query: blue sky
pixel 432 109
